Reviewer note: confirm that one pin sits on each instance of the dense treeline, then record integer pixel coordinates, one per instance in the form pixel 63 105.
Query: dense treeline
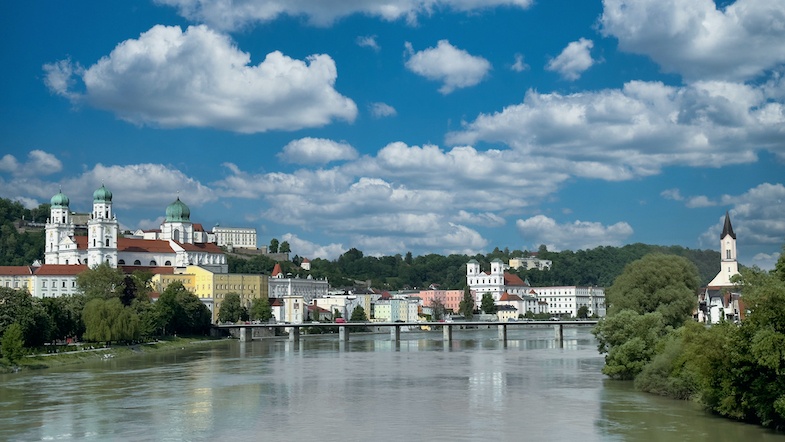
pixel 20 248
pixel 734 370
pixel 599 266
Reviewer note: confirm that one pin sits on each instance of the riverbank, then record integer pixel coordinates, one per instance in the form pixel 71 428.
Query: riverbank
pixel 50 360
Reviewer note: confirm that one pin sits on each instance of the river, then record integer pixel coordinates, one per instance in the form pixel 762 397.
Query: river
pixel 367 389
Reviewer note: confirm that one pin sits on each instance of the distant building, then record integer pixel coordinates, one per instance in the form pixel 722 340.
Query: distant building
pixel 567 300
pixel 721 299
pixel 496 282
pixel 531 262
pixel 235 237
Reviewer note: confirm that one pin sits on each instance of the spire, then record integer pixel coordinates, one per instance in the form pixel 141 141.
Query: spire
pixel 727 229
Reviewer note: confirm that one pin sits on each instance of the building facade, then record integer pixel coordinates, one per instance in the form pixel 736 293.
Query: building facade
pixel 721 300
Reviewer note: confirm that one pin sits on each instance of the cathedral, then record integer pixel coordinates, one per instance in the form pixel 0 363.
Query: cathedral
pixel 180 243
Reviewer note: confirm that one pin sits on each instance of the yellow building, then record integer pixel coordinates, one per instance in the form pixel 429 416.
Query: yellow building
pixel 211 287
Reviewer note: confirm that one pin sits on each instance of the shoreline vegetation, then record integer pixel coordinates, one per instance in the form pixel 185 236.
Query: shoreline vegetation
pixel 90 352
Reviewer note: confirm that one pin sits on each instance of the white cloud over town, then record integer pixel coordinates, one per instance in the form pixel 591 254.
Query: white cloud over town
pixel 541 229
pixel 758 217
pixel 454 67
pixel 199 78
pixel 618 134
pixel 238 14
pixel 38 163
pixel 381 110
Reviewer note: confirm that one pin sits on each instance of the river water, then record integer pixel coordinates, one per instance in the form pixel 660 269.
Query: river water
pixel 368 389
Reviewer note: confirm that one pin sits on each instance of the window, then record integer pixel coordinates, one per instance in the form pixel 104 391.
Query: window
pixel 137 262
pixel 107 242
pixel 64 283
pixel 43 284
pixel 152 263
pixel 121 262
pixel 727 254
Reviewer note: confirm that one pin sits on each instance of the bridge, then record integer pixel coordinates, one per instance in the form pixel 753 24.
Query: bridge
pixel 246 330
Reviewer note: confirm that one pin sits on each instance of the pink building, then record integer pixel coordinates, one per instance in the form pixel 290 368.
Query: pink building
pixel 450 298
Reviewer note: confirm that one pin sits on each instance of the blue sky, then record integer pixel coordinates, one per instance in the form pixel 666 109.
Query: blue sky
pixel 430 126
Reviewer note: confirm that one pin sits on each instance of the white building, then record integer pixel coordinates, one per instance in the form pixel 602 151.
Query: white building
pixel 234 237
pixel 496 282
pixel 567 300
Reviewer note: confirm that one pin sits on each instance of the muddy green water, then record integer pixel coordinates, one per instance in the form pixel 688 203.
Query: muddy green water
pixel 368 389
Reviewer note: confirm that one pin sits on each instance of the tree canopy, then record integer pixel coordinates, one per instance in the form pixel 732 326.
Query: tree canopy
pixel 656 283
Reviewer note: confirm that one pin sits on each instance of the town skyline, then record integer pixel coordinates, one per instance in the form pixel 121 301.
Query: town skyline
pixel 427 126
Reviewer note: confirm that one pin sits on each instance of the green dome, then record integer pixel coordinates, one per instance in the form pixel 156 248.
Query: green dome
pixel 102 194
pixel 178 212
pixel 60 200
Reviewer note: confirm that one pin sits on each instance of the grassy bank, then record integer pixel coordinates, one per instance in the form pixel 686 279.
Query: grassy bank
pixel 95 353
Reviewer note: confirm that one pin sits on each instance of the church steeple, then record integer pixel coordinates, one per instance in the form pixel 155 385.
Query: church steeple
pixel 727 229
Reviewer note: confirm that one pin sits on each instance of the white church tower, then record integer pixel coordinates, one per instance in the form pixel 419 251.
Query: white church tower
pixel 178 226
pixel 59 229
pixel 729 266
pixel 102 230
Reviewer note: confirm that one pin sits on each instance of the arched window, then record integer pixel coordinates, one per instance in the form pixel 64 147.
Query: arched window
pixel 107 242
pixel 168 263
pixel 152 263
pixel 121 262
pixel 137 263
pixel 176 235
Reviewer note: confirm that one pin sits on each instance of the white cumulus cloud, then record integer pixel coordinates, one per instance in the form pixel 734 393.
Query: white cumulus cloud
pixel 618 134
pixel 380 110
pixel 454 67
pixel 698 38
pixel 316 151
pixel 541 229
pixel 38 163
pixel 199 78
pixel 368 41
pixel 573 60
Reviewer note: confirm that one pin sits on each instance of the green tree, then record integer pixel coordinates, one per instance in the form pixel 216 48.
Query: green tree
pixel 102 282
pixel 107 320
pixel 284 248
pixel 629 339
pixel 13 342
pixel 261 309
pixel 656 283
pixel 466 306
pixel 17 306
pixel 358 315
pixel 779 268
pixel 274 245
pixel 437 309
pixel 487 304
pixel 583 312
pixel 231 308
pixel 180 311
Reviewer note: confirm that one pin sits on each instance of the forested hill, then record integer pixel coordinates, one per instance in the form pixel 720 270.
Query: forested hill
pixel 20 248
pixel 598 266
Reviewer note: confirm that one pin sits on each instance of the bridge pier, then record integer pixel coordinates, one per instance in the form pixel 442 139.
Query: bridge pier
pixel 294 334
pixel 343 333
pixel 503 333
pixel 395 333
pixel 447 333
pixel 246 334
pixel 559 328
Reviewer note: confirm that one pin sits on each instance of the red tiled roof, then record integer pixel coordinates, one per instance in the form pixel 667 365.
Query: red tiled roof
pixel 207 247
pixel 386 295
pixel 512 279
pixel 143 245
pixel 508 297
pixel 276 269
pixel 15 270
pixel 276 302
pixel 60 269
pixel 306 260
pixel 198 227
